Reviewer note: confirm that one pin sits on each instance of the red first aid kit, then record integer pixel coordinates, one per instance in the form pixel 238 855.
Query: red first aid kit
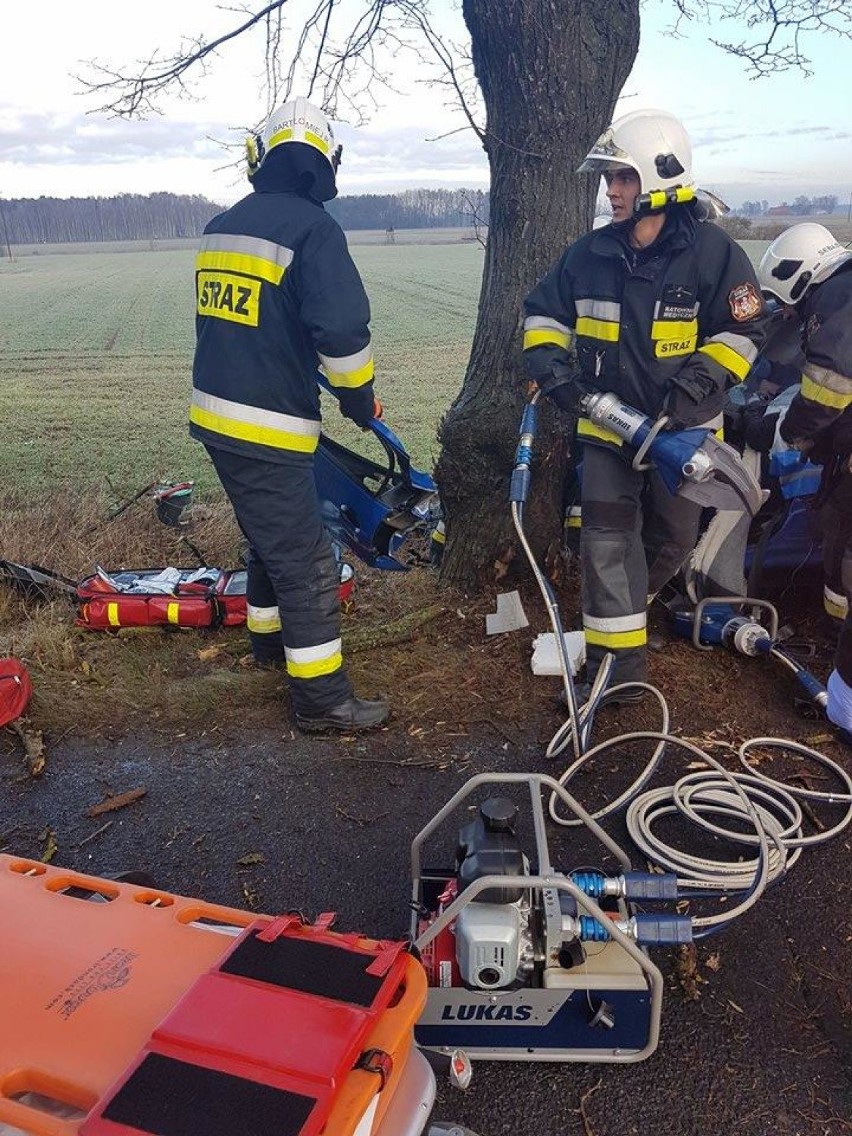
pixel 16 690
pixel 212 597
pixel 171 597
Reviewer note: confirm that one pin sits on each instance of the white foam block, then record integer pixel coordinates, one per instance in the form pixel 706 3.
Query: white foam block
pixel 545 657
pixel 510 615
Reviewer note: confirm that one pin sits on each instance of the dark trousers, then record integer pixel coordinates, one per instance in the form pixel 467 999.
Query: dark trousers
pixel 293 582
pixel 836 527
pixel 635 536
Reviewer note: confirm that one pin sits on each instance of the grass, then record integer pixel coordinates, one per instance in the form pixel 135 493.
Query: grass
pixel 95 375
pixel 96 358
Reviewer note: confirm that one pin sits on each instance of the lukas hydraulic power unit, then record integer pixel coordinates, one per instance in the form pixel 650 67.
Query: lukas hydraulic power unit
pixel 527 963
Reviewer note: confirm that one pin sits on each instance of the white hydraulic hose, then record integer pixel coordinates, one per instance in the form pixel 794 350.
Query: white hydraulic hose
pixel 716 800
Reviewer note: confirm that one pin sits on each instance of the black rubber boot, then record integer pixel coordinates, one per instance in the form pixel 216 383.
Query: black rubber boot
pixel 351 716
pixel 582 690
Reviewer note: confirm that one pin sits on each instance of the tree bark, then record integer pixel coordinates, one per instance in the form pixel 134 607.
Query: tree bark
pixel 550 73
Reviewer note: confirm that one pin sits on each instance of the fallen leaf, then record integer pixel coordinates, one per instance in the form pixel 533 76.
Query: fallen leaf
pixel 207 654
pixel 713 962
pixel 251 858
pixel 51 847
pixel 117 802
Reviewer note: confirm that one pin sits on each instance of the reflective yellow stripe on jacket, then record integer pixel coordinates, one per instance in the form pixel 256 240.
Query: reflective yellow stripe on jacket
pixel 827 387
pixel 599 319
pixel 736 353
pixel 539 330
pixel 253 424
pixel 250 256
pixel 349 370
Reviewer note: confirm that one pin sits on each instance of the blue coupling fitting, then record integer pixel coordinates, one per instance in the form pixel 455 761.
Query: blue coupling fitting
pixel 813 688
pixel 650 885
pixel 662 930
pixel 529 420
pixel 630 885
pixel 592 884
pixel 589 930
pixel 519 486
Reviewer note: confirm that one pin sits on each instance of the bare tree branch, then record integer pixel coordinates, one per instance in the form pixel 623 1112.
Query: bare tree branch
pixel 135 94
pixel 779 27
pixel 344 68
pixel 447 58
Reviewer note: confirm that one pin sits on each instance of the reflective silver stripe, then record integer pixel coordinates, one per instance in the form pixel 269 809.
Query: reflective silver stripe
pixel 533 323
pixel 616 623
pixel 344 363
pixel 739 343
pixel 247 246
pixel 254 415
pixel 263 620
pixel 827 379
pixel 607 310
pixel 302 655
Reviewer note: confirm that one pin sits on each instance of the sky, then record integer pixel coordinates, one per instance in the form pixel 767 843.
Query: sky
pixel 768 139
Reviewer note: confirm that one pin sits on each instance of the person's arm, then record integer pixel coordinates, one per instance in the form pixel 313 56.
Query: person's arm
pixel 827 374
pixel 335 309
pixel 732 329
pixel 549 318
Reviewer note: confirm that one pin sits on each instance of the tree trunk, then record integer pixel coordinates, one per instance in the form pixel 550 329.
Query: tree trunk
pixel 550 73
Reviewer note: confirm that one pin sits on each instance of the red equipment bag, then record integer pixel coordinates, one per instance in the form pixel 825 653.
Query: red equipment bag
pixel 212 597
pixel 16 690
pixel 110 601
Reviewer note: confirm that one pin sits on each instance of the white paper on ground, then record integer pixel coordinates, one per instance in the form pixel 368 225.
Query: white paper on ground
pixel 545 658
pixel 510 615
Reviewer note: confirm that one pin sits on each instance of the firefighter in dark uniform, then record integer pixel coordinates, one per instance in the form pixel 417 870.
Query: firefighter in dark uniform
pixel 278 296
pixel 810 273
pixel 663 309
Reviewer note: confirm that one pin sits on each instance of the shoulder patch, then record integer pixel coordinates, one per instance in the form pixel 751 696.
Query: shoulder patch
pixel 744 301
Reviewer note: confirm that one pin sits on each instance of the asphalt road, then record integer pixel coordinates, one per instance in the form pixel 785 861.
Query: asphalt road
pixel 763 1050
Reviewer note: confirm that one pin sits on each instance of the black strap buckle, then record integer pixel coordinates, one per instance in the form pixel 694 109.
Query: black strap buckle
pixel 377 1061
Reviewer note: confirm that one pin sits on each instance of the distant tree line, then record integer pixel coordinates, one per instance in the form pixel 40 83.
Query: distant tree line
pixel 162 216
pixel 412 209
pixel 128 217
pixel 802 207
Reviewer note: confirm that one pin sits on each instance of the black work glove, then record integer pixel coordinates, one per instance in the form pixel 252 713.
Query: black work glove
pixel 759 429
pixel 358 404
pixel 692 400
pixel 556 374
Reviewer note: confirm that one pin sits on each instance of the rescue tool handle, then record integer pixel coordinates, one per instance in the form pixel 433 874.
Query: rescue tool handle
pixel 734 601
pixel 391 443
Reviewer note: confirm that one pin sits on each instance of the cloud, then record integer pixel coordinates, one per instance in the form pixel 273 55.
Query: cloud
pixel 37 138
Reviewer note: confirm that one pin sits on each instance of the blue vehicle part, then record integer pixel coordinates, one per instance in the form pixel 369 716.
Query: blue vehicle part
pixel 367 507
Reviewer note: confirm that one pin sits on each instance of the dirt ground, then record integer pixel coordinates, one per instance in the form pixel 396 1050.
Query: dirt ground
pixel 756 1025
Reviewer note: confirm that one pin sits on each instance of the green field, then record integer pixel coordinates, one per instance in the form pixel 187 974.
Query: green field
pixel 96 355
pixel 96 358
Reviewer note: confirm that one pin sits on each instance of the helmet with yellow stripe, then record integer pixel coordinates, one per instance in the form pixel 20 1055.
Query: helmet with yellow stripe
pixel 653 143
pixel 301 131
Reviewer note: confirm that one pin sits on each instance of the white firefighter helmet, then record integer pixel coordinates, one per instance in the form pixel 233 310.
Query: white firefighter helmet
pixel 803 255
pixel 298 121
pixel 651 142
